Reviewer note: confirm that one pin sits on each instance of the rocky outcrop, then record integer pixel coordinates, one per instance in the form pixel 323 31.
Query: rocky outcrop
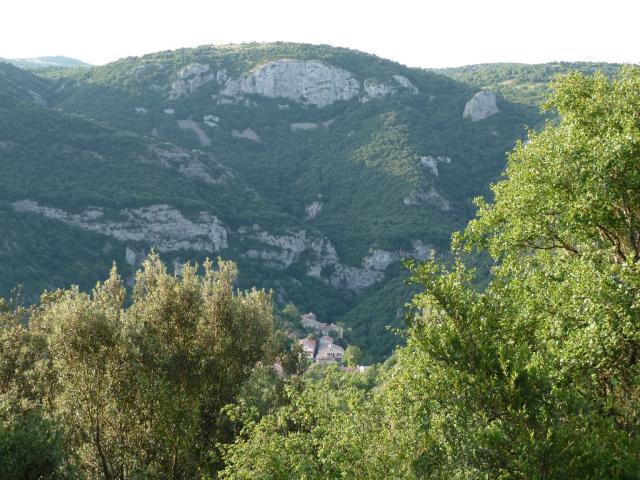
pixel 380 259
pixel 305 81
pixel 190 164
pixel 211 120
pixel 431 196
pixel 189 124
pixel 313 209
pixel 374 89
pixel 283 250
pixel 420 250
pixel 432 162
pixel 294 127
pixel 247 134
pixel 406 83
pixel 190 79
pixel 482 105
pixel 354 278
pixel 160 226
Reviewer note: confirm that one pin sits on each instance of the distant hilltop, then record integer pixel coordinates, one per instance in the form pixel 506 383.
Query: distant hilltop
pixel 38 63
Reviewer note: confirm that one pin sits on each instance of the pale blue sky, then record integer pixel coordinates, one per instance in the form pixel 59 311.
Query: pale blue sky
pixel 417 33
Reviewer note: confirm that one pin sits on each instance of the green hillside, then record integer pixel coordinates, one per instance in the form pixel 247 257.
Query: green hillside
pixel 520 82
pixel 321 168
pixel 46 63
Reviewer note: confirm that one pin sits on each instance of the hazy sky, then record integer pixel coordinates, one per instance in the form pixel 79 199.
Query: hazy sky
pixel 419 33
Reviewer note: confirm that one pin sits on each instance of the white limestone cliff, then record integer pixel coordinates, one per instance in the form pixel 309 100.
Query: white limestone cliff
pixel 482 105
pixel 162 226
pixel 190 79
pixel 406 83
pixel 247 134
pixel 354 278
pixel 305 81
pixel 431 196
pixel 313 209
pixel 431 162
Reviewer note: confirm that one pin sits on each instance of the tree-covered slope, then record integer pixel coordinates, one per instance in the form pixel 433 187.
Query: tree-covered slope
pixel 521 82
pixel 316 168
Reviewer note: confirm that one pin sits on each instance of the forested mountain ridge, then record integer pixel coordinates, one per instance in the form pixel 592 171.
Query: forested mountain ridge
pixel 521 82
pixel 45 63
pixel 315 168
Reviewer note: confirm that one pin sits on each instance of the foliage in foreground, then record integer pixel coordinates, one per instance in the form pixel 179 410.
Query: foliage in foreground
pixel 534 376
pixel 113 391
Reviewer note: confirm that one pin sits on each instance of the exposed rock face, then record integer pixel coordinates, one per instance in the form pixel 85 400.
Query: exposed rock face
pixel 189 124
pixel 354 278
pixel 169 111
pixel 421 251
pixel 380 259
pixel 141 110
pixel 189 164
pixel 190 79
pixel 313 209
pixel 305 81
pixel 406 83
pixel 482 105
pixel 418 197
pixel 247 133
pixel 432 162
pixel 309 125
pixel 315 271
pixel 303 126
pixel 211 120
pixel 374 89
pixel 161 226
pixel 286 249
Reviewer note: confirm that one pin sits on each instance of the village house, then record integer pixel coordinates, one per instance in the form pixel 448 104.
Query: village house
pixel 322 350
pixel 308 321
pixel 308 347
pixel 329 353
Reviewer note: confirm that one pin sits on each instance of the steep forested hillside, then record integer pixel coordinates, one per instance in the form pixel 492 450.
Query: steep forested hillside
pixel 315 168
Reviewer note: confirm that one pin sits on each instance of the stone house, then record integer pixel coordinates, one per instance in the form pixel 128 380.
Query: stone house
pixel 330 353
pixel 308 347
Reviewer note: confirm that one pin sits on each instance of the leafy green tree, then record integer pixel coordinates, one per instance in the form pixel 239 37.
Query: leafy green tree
pixel 32 442
pixel 291 313
pixel 534 375
pixel 353 356
pixel 139 389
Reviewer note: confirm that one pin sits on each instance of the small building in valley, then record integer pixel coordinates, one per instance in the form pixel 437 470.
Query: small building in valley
pixel 308 347
pixel 330 353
